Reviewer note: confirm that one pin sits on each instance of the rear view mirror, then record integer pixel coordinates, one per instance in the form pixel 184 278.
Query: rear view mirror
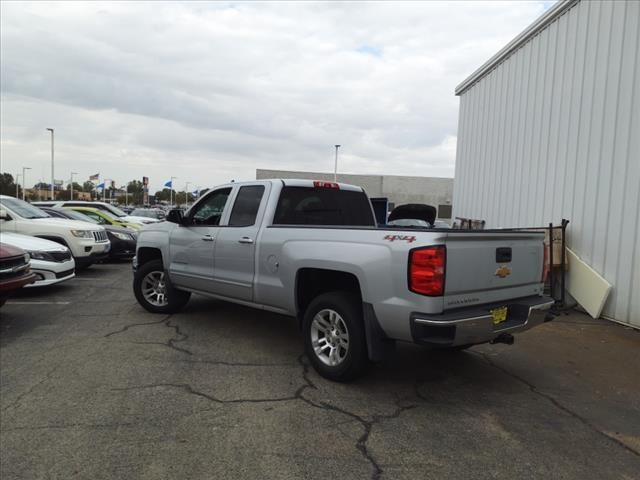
pixel 4 215
pixel 175 216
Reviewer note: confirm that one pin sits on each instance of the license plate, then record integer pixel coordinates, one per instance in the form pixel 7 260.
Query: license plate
pixel 499 315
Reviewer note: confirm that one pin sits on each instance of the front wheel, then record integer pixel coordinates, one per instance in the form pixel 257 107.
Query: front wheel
pixel 153 290
pixel 334 336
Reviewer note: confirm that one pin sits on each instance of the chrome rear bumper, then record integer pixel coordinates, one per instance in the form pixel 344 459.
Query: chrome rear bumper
pixel 475 325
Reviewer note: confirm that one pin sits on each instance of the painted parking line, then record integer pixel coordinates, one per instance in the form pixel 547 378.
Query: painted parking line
pixel 11 302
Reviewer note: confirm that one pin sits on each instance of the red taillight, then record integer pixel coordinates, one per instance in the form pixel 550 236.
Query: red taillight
pixel 426 270
pixel 321 184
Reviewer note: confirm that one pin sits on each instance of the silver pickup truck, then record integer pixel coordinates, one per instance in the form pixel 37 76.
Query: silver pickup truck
pixel 312 249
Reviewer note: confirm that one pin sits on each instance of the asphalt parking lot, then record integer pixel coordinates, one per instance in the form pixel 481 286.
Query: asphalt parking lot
pixel 92 386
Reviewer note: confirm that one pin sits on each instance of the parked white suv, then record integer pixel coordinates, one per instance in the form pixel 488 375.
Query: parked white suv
pixel 88 243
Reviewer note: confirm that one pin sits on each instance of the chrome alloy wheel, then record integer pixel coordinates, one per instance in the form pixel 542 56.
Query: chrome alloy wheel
pixel 154 289
pixel 329 337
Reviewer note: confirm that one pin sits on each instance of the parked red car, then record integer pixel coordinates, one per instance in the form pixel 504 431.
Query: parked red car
pixel 15 271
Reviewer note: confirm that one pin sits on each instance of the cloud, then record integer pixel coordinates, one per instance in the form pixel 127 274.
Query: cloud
pixel 212 91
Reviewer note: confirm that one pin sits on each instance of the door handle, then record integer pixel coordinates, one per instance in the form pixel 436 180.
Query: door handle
pixel 245 240
pixel 207 238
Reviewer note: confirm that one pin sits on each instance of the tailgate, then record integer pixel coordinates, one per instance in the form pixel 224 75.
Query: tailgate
pixel 485 267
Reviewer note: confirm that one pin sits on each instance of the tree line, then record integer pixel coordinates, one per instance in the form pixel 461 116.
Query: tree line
pixel 134 189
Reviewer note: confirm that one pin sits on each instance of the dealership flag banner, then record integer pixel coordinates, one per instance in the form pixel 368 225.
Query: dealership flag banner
pixel 94 178
pixel 168 184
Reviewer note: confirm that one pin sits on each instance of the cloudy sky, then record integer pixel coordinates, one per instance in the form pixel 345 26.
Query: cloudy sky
pixel 208 92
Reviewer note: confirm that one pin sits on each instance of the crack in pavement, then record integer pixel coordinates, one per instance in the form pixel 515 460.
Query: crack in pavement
pixel 556 403
pixel 178 336
pixel 131 325
pixel 367 424
pixel 361 443
pixel 189 389
pixel 47 376
pixel 238 364
pixel 71 425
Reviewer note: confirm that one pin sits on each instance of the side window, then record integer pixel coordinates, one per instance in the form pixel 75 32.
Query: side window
pixel 209 211
pixel 245 208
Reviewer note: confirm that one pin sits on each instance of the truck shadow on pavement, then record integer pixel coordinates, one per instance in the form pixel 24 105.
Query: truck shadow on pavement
pixel 263 335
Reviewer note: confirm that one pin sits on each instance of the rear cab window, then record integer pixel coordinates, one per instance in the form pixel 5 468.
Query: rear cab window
pixel 299 205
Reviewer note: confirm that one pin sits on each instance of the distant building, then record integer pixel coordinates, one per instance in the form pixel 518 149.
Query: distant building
pixel 399 190
pixel 84 196
pixel 44 193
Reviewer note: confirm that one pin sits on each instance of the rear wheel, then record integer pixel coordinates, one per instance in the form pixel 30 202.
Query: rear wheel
pixel 153 290
pixel 334 336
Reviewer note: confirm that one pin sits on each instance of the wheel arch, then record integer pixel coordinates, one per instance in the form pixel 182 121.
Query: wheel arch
pixel 311 282
pixel 147 254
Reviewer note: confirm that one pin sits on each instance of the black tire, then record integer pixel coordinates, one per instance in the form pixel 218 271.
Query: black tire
pixel 82 266
pixel 355 360
pixel 175 299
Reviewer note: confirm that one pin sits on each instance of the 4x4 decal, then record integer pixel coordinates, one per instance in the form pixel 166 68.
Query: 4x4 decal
pixel 406 238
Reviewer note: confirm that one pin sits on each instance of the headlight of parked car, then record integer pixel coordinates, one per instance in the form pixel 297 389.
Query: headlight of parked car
pixel 82 233
pixel 41 256
pixel 123 236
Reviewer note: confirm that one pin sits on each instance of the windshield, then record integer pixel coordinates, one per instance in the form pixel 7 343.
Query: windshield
pixel 23 209
pixel 115 211
pixel 78 216
pixel 104 215
pixel 138 212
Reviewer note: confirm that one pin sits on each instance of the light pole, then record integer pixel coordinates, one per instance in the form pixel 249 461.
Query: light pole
pixel 17 183
pixel 104 189
pixel 186 194
pixel 72 174
pixel 171 191
pixel 335 169
pixel 51 130
pixel 24 179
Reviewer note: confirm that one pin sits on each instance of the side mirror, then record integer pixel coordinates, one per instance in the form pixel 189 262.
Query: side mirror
pixel 175 216
pixel 4 215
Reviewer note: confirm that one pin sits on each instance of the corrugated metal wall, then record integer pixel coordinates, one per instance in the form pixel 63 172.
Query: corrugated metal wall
pixel 554 132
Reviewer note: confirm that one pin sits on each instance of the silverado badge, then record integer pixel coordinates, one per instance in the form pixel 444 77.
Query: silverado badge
pixel 503 271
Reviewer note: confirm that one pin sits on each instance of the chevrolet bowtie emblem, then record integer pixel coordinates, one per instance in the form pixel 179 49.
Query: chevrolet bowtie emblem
pixel 503 271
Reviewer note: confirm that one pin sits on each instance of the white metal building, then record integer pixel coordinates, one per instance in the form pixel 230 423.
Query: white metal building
pixel 549 128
